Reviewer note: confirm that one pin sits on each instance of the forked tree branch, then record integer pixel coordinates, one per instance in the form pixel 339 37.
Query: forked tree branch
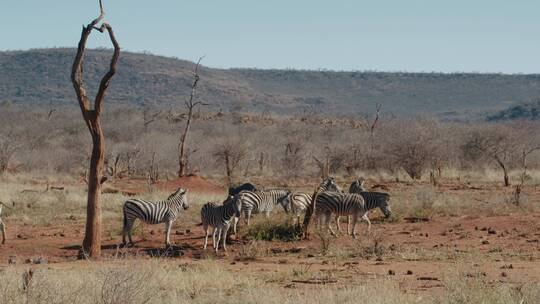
pixel 77 70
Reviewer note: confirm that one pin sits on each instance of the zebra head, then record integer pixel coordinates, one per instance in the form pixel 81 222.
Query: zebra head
pixel 284 199
pixel 286 203
pixel 385 208
pixel 237 204
pixel 329 184
pixel 179 196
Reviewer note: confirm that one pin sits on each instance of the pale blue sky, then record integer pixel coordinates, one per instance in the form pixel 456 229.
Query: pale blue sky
pixel 384 35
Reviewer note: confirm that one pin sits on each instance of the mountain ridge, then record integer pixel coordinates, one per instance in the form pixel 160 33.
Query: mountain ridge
pixel 41 76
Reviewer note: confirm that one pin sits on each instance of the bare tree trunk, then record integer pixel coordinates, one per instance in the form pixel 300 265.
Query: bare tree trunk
pixel 92 117
pixel 190 105
pixel 182 159
pixel 505 171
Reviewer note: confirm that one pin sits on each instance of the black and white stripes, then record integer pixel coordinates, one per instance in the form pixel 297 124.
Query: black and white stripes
pixel 357 186
pixel 297 203
pixel 219 217
pixel 154 213
pixel 261 201
pixel 339 204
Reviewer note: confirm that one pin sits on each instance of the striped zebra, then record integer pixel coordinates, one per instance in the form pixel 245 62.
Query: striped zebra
pixel 260 202
pixel 371 198
pixel 347 204
pixel 219 217
pixel 154 213
pixel 297 203
pixel 357 186
pixel 328 184
pixel 2 225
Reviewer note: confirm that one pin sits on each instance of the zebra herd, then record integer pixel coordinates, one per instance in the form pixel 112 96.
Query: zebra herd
pixel 248 200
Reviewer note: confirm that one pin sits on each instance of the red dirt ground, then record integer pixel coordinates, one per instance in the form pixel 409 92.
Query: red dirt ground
pixel 193 183
pixel 495 241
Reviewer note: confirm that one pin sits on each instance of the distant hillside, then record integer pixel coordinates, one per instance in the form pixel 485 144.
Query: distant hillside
pixel 42 77
pixel 529 111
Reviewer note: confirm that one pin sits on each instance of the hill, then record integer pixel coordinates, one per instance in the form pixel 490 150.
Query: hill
pixel 41 76
pixel 527 110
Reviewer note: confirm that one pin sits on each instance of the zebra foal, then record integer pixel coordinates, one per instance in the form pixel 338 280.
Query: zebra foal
pixel 219 217
pixel 154 213
pixel 346 204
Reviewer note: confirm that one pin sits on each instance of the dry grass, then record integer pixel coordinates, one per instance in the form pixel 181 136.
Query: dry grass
pixel 160 281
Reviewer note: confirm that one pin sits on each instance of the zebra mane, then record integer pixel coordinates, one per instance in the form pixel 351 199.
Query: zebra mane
pixel 178 192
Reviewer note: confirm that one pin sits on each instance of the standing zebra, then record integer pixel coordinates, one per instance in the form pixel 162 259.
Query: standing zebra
pixel 297 203
pixel 219 217
pixel 154 213
pixel 348 204
pixel 260 202
pixel 2 225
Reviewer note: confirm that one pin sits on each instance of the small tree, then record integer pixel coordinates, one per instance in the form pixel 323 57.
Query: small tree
pixel 191 104
pixel 230 154
pixel 8 146
pixel 92 118
pixel 497 145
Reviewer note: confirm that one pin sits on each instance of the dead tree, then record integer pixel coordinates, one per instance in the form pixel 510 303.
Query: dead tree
pixel 149 118
pixel 190 104
pixel 231 154
pixel 92 117
pixel 523 176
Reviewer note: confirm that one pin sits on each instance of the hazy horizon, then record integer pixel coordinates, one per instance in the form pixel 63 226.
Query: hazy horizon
pixel 387 36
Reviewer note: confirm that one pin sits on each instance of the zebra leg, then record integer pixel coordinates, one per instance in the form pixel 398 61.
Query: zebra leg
pixel 168 225
pixel 366 218
pixel 3 226
pixel 219 230
pixel 225 231
pixel 214 237
pixel 348 225
pixel 235 220
pixel 248 217
pixel 354 220
pixel 205 228
pixel 337 224
pixel 128 226
pixel 327 219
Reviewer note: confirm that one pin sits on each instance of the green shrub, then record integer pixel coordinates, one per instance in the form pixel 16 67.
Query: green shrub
pixel 272 231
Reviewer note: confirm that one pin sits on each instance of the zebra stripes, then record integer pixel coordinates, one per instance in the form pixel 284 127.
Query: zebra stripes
pixel 357 186
pixel 329 203
pixel 219 217
pixel 297 203
pixel 260 202
pixel 154 213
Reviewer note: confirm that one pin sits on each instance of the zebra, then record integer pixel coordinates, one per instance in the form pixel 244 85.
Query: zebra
pixel 371 198
pixel 357 186
pixel 219 217
pixel 154 213
pixel 352 204
pixel 260 201
pixel 244 187
pixel 2 225
pixel 296 203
